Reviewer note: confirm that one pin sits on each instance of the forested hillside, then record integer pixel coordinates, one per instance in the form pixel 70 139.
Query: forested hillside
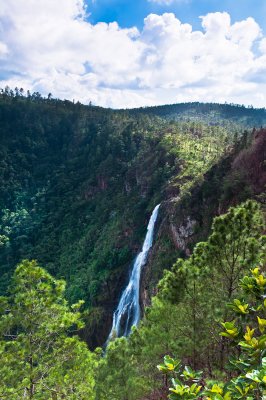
pixel 187 315
pixel 212 113
pixel 43 358
pixel 78 184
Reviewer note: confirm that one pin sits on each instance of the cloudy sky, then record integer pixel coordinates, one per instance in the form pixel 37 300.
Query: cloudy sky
pixel 128 53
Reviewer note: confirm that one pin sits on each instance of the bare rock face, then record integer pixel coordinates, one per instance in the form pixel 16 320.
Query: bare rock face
pixel 174 235
pixel 182 232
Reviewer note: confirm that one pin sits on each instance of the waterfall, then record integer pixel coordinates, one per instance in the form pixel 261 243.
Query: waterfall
pixel 127 313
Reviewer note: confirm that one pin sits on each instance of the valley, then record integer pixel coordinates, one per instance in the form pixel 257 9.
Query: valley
pixel 79 185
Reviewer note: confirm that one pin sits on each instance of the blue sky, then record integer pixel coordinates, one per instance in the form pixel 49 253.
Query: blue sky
pixel 136 53
pixel 132 12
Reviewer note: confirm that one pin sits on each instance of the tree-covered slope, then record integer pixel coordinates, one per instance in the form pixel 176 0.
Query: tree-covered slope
pixel 212 113
pixel 78 184
pixel 42 358
pixel 240 174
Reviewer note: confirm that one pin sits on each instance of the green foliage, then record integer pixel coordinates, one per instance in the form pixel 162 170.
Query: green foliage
pixel 228 115
pixel 39 360
pixel 126 371
pixel 235 243
pixel 184 320
pixel 197 147
pixel 247 335
pixel 117 377
pixel 78 183
pixel 77 177
pixel 202 285
pixel 186 381
pixel 3 240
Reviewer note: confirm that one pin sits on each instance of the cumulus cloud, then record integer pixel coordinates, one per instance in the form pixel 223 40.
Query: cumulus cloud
pixel 263 45
pixel 49 46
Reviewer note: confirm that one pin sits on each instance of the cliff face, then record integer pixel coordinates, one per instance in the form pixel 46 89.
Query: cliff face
pixel 78 185
pixel 184 222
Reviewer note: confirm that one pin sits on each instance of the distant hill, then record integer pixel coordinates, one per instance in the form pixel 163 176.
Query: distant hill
pixel 211 113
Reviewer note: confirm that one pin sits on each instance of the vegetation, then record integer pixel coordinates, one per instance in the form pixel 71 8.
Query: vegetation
pixel 247 366
pixel 77 186
pixel 41 358
pixel 79 182
pixel 213 113
pixel 185 318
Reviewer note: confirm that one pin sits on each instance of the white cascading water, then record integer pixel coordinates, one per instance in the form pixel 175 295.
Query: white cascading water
pixel 127 313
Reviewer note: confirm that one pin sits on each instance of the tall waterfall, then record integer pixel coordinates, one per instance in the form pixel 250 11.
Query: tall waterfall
pixel 127 313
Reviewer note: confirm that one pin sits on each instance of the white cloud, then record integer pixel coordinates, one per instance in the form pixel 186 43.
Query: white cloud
pixel 3 50
pixel 49 46
pixel 263 45
pixel 162 2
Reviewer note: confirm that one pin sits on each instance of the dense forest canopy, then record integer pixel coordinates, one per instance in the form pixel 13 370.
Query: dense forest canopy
pixel 43 359
pixel 78 185
pixel 213 113
pixel 79 182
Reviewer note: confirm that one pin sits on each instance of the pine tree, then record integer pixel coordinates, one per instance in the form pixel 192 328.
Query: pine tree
pixel 41 358
pixel 202 285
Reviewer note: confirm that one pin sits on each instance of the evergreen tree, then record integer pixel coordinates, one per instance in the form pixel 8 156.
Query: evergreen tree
pixel 41 358
pixel 203 284
pixel 248 365
pixel 118 376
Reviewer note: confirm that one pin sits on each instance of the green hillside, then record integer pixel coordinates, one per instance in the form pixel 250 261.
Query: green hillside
pixel 211 113
pixel 78 184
